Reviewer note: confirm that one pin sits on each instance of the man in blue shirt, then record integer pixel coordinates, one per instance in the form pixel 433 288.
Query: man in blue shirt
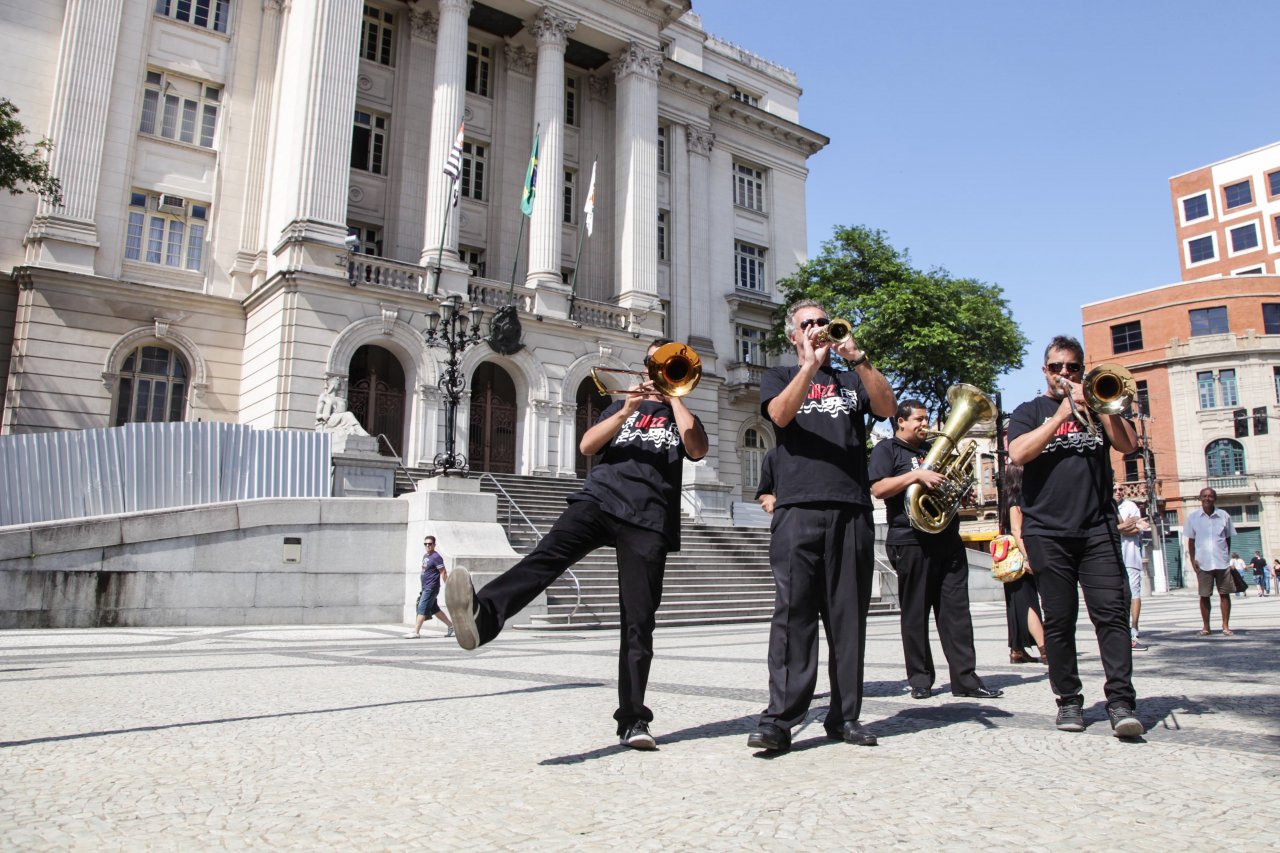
pixel 433 575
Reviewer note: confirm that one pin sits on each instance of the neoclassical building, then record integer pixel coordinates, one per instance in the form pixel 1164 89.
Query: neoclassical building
pixel 255 202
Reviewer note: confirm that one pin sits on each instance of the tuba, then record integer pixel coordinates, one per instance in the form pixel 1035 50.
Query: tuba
pixel 674 370
pixel 930 511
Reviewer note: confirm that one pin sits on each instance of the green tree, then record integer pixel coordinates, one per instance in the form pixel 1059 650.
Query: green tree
pixel 23 166
pixel 926 331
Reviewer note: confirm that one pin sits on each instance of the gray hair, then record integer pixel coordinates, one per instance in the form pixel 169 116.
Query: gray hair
pixel 790 327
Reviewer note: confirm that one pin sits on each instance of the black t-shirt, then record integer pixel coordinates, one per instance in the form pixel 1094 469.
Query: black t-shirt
pixel 767 484
pixel 891 458
pixel 1066 490
pixel 1259 566
pixel 640 470
pixel 821 456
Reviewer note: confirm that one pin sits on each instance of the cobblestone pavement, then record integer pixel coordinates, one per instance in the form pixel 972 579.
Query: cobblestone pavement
pixel 351 738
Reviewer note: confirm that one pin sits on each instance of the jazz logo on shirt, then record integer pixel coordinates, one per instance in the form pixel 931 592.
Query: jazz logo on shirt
pixel 829 399
pixel 658 430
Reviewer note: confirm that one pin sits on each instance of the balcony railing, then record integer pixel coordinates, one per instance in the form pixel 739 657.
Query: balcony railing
pixel 1236 483
pixel 382 272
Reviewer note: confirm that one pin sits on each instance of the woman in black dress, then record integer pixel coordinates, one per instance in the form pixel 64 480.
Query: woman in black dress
pixel 1021 597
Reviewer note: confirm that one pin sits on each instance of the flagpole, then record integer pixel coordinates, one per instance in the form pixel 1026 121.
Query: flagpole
pixel 435 286
pixel 573 284
pixel 516 263
pixel 584 228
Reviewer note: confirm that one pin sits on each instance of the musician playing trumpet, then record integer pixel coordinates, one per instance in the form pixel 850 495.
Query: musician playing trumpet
pixel 1069 527
pixel 932 568
pixel 630 501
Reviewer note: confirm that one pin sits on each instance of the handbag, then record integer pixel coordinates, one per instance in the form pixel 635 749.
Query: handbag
pixel 1238 579
pixel 1007 562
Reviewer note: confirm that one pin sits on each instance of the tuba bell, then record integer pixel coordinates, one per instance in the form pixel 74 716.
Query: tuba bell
pixel 931 510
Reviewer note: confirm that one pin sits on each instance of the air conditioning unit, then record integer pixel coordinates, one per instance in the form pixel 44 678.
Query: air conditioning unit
pixel 171 204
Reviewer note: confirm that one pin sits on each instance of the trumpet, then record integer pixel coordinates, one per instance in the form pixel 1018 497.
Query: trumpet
pixel 835 332
pixel 674 370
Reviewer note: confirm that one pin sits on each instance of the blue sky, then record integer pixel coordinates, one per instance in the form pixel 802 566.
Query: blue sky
pixel 1024 143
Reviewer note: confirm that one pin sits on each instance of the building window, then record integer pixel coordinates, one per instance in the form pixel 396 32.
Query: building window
pixel 1244 237
pixel 473 258
pixel 662 234
pixel 1207 390
pixel 471 179
pixel 1275 379
pixel 569 196
pixel 571 101
pixel 749 265
pixel 1252 512
pixel 152 387
pixel 1250 271
pixel 179 109
pixel 1273 183
pixel 1275 225
pixel 167 230
pixel 1224 458
pixel 377 35
pixel 369 238
pixel 1237 195
pixel 662 149
pixel 1209 321
pixel 369 143
pixel 1227 384
pixel 750 345
pixel 753 451
pixel 746 98
pixel 1126 337
pixel 1271 318
pixel 1200 249
pixel 210 14
pixel 479 68
pixel 748 187
pixel 1144 397
pixel 1195 207
pixel 1259 420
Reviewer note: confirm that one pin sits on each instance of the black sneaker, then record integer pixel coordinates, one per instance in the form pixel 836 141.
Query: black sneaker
pixel 637 736
pixel 460 598
pixel 1070 714
pixel 1124 721
pixel 770 738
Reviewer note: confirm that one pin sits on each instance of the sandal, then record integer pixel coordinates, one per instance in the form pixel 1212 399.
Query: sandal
pixel 1228 632
pixel 1204 632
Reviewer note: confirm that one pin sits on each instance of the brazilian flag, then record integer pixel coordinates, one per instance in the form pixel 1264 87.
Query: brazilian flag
pixel 530 181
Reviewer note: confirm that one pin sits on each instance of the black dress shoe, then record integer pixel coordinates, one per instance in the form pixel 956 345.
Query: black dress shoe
pixel 921 693
pixel 978 693
pixel 770 738
pixel 852 733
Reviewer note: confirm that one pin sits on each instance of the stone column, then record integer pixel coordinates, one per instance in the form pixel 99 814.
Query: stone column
pixel 66 236
pixel 698 142
pixel 551 29
pixel 636 185
pixel 447 104
pixel 314 114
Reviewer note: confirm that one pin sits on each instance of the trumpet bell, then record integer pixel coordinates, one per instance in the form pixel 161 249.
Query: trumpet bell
pixel 836 332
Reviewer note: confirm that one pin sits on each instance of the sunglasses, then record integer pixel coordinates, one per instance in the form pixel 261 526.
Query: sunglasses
pixel 815 321
pixel 428 543
pixel 1071 366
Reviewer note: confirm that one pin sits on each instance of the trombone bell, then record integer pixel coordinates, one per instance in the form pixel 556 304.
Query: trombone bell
pixel 1110 389
pixel 674 370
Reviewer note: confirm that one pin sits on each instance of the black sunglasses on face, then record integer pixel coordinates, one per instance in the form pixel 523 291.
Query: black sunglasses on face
pixel 815 321
pixel 1071 366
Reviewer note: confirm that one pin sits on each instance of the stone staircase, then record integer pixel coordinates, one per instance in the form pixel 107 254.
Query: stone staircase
pixel 721 574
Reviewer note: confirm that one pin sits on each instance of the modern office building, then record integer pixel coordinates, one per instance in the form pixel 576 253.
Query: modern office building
pixel 255 204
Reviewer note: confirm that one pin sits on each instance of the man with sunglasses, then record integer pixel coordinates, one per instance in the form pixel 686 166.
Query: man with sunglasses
pixel 822 534
pixel 433 575
pixel 1069 527
pixel 630 501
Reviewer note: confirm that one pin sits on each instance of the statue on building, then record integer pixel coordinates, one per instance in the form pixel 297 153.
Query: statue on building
pixel 331 411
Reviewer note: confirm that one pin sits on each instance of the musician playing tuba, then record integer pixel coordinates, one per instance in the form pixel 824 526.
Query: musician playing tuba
pixel 932 567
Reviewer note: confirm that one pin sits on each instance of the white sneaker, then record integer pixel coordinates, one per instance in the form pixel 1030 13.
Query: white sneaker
pixel 449 633
pixel 413 636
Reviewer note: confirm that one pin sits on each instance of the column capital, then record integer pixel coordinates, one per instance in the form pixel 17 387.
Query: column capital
pixel 424 25
pixel 520 59
pixel 552 28
pixel 598 87
pixel 699 140
pixel 637 59
pixel 462 6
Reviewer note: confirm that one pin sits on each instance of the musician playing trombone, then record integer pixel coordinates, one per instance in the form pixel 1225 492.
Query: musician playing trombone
pixel 820 551
pixel 932 568
pixel 630 501
pixel 1069 527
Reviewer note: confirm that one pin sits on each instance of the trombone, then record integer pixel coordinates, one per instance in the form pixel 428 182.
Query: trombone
pixel 1109 389
pixel 674 370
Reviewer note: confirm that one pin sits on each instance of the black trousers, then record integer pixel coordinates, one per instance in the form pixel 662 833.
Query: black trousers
pixel 1093 565
pixel 933 577
pixel 822 560
pixel 642 561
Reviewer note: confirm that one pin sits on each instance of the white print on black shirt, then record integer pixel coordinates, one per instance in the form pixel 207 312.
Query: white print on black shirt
pixel 658 430
pixel 1070 437
pixel 824 399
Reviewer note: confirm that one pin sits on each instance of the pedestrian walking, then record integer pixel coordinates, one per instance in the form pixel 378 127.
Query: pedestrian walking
pixel 1261 574
pixel 1237 576
pixel 1131 525
pixel 432 576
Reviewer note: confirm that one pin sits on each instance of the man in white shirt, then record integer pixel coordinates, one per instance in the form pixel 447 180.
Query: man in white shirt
pixel 1131 526
pixel 1209 531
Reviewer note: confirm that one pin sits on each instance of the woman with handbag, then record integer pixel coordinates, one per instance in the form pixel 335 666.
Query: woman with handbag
pixel 1021 596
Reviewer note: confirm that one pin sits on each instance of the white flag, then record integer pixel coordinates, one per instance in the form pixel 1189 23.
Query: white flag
pixel 453 165
pixel 590 209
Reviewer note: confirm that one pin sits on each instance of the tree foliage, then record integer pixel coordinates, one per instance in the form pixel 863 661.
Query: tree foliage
pixel 925 331
pixel 23 166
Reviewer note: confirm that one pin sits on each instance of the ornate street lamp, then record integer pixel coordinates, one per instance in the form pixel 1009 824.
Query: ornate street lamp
pixel 454 329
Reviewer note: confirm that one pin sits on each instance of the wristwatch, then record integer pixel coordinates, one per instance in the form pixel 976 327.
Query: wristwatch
pixel 862 359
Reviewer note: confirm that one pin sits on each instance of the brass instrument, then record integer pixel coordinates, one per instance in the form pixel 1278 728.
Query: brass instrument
pixel 835 332
pixel 1109 389
pixel 931 510
pixel 674 370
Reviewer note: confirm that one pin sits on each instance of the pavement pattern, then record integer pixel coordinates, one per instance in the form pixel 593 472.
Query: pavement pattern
pixel 352 738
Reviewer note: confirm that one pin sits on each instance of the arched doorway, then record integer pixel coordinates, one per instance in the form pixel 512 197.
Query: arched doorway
pixel 590 404
pixel 491 444
pixel 376 395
